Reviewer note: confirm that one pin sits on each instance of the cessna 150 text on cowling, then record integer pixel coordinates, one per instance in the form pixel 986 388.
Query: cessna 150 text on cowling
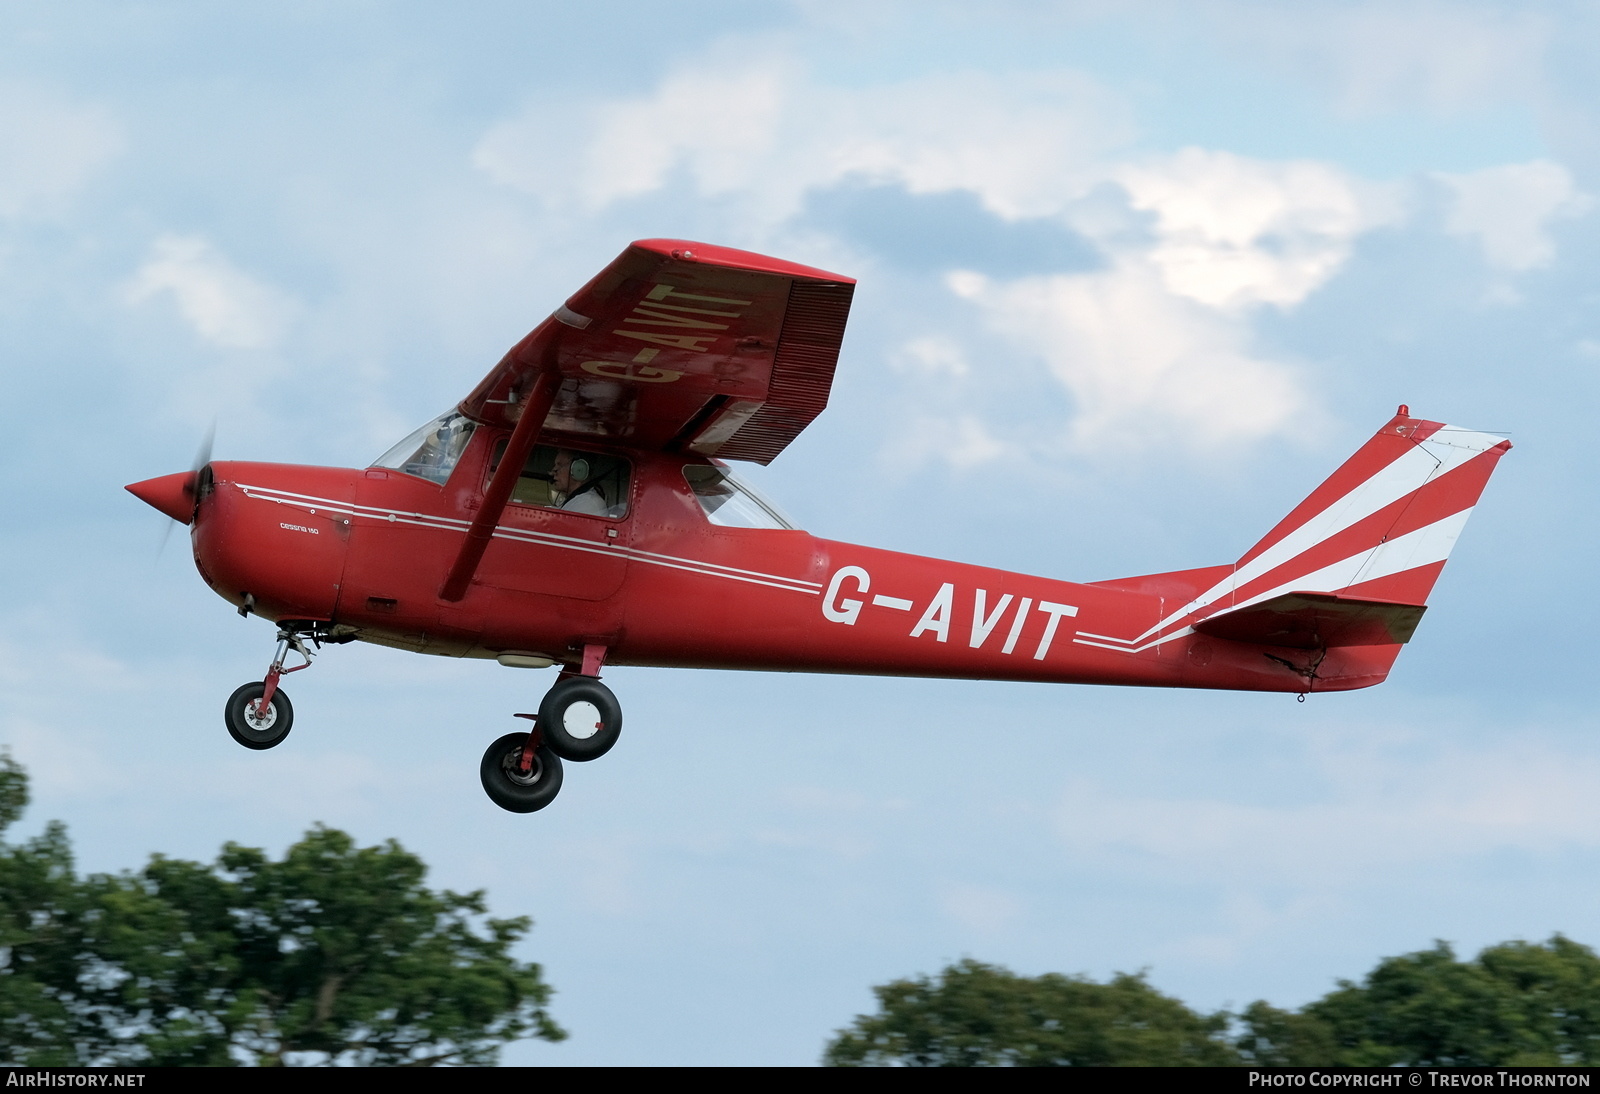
pixel 574 510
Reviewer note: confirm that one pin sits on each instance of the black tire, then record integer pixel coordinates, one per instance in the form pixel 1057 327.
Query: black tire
pixel 507 787
pixel 580 719
pixel 251 732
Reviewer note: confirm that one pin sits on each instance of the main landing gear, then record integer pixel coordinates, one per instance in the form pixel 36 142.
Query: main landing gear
pixel 259 714
pixel 578 720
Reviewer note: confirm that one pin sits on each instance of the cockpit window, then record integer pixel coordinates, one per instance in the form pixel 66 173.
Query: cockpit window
pixel 571 480
pixel 432 451
pixel 729 502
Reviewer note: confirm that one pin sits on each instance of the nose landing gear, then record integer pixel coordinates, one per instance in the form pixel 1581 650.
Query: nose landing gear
pixel 579 720
pixel 259 714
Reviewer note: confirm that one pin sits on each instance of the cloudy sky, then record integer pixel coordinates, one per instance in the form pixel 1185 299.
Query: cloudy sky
pixel 1134 277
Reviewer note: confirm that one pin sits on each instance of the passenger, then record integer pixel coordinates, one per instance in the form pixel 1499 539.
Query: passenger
pixel 571 479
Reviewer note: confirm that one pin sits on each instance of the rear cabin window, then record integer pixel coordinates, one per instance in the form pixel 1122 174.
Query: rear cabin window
pixel 729 502
pixel 571 480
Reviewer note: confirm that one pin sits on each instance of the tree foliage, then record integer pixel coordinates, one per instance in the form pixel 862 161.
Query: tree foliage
pixel 39 917
pixel 980 1015
pixel 335 954
pixel 1517 1003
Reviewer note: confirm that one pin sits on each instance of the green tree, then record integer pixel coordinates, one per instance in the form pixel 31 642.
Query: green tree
pixel 335 954
pixel 1285 1038
pixel 1516 1003
pixel 974 1014
pixel 39 917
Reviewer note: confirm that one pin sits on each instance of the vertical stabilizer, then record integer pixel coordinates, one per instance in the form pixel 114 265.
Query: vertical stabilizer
pixel 1382 525
pixel 1375 535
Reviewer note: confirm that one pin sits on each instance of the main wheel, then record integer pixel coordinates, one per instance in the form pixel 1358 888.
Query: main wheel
pixel 258 729
pixel 507 785
pixel 580 718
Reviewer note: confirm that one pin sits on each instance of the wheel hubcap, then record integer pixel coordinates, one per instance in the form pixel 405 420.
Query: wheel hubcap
pixel 513 768
pixel 581 720
pixel 260 719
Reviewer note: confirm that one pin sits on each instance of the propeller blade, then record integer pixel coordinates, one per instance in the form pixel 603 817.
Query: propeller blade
pixel 202 457
pixel 177 495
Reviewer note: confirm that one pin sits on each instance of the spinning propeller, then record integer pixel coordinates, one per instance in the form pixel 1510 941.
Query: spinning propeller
pixel 177 495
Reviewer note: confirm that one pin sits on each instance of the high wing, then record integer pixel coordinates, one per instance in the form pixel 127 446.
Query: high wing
pixel 682 346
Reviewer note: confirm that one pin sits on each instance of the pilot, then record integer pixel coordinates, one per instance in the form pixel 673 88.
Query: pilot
pixel 579 492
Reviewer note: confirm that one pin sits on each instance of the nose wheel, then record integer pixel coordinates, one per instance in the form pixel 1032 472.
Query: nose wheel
pixel 255 724
pixel 259 714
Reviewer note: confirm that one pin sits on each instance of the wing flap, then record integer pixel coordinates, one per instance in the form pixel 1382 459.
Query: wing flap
pixel 683 345
pixel 1307 621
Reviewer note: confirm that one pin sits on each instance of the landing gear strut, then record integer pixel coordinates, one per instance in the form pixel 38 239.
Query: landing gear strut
pixel 579 719
pixel 259 714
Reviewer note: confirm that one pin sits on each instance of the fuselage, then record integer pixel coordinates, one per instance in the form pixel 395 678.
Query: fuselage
pixel 365 550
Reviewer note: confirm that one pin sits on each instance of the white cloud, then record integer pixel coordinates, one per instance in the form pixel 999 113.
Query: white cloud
pixel 717 126
pixel 761 131
pixel 1144 367
pixel 962 442
pixel 940 430
pixel 1233 232
pixel 1509 209
pixel 1155 348
pixel 48 149
pixel 933 356
pixel 223 304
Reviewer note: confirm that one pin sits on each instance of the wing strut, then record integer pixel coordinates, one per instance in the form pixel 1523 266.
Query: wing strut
pixel 535 408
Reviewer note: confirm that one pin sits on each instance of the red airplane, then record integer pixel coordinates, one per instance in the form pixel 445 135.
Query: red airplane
pixel 574 510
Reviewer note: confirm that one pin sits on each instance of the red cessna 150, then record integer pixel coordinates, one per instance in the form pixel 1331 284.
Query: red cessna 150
pixel 573 510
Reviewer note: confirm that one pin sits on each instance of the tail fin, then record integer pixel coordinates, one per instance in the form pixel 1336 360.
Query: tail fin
pixel 1353 564
pixel 1382 525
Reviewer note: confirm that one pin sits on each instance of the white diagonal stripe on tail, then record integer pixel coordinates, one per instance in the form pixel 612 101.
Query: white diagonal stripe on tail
pixel 1431 543
pixel 1446 450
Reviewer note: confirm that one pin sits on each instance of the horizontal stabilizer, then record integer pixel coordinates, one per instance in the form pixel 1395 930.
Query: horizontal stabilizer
pixel 1311 621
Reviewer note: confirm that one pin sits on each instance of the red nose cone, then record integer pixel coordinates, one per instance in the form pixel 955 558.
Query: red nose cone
pixel 172 494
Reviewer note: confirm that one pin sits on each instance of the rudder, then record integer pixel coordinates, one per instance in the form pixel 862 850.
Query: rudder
pixel 1349 570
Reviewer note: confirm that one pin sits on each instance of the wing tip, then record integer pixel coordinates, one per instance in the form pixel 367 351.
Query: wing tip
pixel 688 250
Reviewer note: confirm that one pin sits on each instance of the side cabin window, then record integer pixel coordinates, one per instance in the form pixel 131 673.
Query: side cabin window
pixel 570 480
pixel 729 502
pixel 431 452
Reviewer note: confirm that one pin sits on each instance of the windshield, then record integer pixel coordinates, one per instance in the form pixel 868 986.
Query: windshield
pixel 432 451
pixel 729 502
